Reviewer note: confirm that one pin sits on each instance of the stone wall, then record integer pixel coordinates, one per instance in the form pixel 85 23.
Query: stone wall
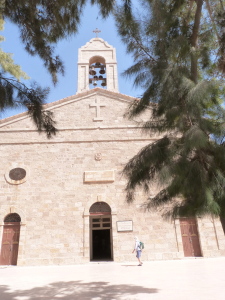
pixel 67 174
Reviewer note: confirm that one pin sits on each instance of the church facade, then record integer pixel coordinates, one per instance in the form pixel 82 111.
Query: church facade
pixel 62 200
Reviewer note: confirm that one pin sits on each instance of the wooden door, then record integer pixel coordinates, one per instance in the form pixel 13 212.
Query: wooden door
pixel 10 243
pixel 190 237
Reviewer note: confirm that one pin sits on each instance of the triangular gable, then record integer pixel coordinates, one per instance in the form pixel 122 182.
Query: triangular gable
pixel 94 108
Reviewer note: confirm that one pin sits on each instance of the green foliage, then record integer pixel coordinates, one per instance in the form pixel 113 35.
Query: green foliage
pixel 8 65
pixel 178 49
pixel 15 94
pixel 6 62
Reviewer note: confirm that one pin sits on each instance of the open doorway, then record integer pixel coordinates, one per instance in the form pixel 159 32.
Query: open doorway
pixel 101 246
pixel 100 232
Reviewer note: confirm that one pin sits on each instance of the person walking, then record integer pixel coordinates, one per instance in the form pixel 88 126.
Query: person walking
pixel 138 250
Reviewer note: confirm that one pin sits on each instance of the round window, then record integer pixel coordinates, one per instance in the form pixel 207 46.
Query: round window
pixel 17 174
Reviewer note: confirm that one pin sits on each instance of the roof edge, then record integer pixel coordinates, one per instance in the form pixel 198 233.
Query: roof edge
pixel 51 105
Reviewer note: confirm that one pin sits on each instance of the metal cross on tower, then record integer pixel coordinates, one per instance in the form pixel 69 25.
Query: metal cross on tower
pixel 96 31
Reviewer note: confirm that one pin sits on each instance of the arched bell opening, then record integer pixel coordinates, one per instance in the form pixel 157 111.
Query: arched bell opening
pixel 101 246
pixel 10 239
pixel 97 72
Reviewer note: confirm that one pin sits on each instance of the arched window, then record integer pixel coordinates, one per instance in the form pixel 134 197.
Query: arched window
pixel 12 218
pixel 100 208
pixel 97 71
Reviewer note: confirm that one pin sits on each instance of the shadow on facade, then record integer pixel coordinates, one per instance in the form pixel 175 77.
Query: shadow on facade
pixel 76 290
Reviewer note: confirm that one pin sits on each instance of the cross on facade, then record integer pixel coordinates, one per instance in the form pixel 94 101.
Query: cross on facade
pixel 96 31
pixel 98 106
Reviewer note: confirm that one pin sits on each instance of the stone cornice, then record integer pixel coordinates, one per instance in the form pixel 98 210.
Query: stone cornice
pixel 75 128
pixel 51 141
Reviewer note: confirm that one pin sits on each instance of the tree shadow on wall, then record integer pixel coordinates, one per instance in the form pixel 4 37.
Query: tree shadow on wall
pixel 74 290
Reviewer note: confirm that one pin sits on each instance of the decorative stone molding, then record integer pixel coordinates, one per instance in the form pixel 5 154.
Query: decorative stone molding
pixel 98 156
pixel 97 106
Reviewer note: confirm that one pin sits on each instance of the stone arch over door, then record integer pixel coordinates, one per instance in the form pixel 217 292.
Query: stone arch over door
pixel 100 208
pixel 10 239
pixel 100 198
pixel 101 243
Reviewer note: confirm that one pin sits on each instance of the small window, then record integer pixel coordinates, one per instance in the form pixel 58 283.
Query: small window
pixel 95 220
pixel 106 220
pixel 96 225
pixel 17 175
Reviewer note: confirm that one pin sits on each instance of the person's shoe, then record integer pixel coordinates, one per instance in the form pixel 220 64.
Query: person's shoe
pixel 140 265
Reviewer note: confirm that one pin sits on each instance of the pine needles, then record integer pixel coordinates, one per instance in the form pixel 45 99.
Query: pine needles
pixel 185 91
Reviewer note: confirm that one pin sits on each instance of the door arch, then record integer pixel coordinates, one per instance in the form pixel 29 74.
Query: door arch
pixel 100 232
pixel 10 239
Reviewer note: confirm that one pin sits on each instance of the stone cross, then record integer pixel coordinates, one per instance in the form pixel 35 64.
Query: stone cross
pixel 98 106
pixel 96 31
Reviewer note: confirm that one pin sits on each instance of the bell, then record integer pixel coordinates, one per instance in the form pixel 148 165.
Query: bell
pixel 92 71
pixel 102 71
pixel 100 77
pixel 103 83
pixel 97 65
pixel 96 77
pixel 94 83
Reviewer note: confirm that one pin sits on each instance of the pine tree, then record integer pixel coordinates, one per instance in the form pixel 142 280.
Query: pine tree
pixel 178 49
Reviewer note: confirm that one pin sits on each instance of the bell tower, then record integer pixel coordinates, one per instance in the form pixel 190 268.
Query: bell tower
pixel 97 66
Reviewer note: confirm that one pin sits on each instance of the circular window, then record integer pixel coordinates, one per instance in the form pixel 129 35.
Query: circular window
pixel 17 174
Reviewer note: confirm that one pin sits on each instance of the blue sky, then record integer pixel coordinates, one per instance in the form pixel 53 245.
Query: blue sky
pixel 68 52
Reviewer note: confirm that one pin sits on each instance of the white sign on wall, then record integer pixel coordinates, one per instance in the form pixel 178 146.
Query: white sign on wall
pixel 124 225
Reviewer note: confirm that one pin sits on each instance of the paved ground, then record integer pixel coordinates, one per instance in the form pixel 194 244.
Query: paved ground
pixel 188 279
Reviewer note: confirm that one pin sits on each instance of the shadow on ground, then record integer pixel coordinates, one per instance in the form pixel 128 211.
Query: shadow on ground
pixel 77 290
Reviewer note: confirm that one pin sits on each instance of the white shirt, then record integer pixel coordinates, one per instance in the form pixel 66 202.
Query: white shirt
pixel 137 246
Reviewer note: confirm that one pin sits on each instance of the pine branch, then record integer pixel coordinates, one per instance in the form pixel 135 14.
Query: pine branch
pixel 221 3
pixel 194 39
pixel 30 98
pixel 212 19
pixel 139 45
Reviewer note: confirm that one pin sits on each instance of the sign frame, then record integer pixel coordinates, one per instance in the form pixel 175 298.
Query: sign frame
pixel 124 226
